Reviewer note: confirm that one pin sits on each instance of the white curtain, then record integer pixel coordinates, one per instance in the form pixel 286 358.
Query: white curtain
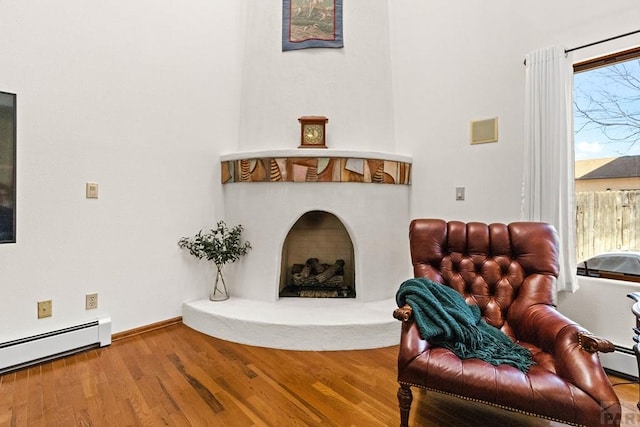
pixel 548 180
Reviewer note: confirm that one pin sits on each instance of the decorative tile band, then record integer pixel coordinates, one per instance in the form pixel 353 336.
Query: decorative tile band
pixel 316 169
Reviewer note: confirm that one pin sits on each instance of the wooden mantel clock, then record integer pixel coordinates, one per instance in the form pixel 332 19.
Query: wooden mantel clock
pixel 312 131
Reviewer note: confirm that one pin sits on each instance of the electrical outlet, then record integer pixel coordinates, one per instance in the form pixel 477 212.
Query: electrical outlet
pixel 91 301
pixel 44 309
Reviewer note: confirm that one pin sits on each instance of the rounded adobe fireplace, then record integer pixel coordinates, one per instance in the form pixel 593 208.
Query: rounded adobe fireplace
pixel 274 195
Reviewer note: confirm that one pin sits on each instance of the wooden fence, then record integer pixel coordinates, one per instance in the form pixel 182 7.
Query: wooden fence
pixel 607 220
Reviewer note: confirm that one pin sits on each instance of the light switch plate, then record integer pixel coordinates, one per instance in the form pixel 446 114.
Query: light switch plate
pixel 459 193
pixel 92 190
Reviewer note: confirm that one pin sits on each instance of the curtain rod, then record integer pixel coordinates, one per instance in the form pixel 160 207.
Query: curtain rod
pixel 598 42
pixel 602 41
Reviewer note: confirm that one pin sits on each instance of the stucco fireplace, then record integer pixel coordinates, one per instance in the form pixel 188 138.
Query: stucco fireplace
pixel 344 205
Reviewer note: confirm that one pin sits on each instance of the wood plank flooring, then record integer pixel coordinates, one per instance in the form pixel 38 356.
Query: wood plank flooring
pixel 176 376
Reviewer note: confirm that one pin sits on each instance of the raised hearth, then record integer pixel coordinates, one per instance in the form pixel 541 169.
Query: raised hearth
pixel 297 323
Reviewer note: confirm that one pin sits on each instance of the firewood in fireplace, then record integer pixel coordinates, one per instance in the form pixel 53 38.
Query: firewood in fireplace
pixel 314 264
pixel 331 271
pixel 306 270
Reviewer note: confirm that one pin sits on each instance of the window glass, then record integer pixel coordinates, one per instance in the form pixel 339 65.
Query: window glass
pixel 607 169
pixel 7 167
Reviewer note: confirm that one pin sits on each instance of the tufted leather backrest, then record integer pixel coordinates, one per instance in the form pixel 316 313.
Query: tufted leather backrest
pixel 502 268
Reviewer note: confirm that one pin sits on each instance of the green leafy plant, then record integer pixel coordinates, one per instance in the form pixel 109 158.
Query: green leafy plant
pixel 221 245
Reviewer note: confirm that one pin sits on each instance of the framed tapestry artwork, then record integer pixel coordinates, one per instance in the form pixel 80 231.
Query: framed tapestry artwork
pixel 7 167
pixel 311 23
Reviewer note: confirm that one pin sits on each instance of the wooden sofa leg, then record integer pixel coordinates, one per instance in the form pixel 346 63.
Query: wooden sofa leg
pixel 405 397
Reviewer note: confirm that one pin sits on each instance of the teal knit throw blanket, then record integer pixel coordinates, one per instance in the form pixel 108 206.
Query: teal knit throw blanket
pixel 446 320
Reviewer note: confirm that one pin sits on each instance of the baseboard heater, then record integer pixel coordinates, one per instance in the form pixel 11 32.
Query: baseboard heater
pixel 622 362
pixel 51 345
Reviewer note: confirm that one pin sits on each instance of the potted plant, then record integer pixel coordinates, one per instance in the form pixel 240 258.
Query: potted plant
pixel 221 245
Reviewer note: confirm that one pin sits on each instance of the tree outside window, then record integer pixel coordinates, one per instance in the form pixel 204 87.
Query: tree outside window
pixel 607 150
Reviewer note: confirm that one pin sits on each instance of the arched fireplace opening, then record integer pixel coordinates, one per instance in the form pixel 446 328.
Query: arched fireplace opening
pixel 317 258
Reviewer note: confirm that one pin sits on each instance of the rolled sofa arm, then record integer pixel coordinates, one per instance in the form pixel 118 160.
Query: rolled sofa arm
pixel 586 340
pixel 404 313
pixel 547 328
pixel 594 344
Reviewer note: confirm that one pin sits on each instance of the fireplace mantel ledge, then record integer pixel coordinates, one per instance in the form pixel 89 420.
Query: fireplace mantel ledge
pixel 315 152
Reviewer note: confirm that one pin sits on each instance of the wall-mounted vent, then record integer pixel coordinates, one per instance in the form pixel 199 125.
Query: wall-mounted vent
pixel 484 131
pixel 51 345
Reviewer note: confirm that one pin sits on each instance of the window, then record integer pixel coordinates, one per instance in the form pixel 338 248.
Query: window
pixel 607 152
pixel 7 167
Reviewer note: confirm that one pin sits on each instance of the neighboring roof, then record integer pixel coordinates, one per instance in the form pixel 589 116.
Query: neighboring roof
pixel 583 167
pixel 621 167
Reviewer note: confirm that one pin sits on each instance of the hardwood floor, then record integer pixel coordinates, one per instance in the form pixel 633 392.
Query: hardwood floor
pixel 176 376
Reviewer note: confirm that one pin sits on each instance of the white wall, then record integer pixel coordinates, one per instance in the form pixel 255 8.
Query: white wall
pixel 141 98
pixel 454 62
pixel 602 307
pixel 350 86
